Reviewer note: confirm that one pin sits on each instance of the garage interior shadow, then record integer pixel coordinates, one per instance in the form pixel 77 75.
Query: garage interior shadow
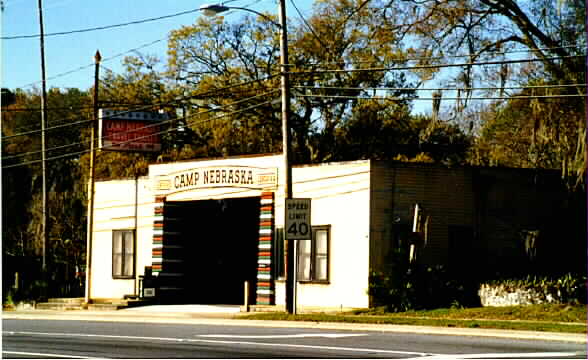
pixel 219 240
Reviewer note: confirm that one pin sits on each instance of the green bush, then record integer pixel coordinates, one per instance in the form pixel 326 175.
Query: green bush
pixel 403 286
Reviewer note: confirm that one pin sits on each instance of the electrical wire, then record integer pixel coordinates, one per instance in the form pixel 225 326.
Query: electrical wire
pixel 130 131
pixel 100 27
pixel 437 66
pixel 415 67
pixel 81 122
pixel 310 27
pixel 126 132
pixel 437 89
pixel 355 11
pixel 304 88
pixel 134 139
pixel 93 64
pixel 61 108
pixel 433 58
pixel 150 106
pixel 391 98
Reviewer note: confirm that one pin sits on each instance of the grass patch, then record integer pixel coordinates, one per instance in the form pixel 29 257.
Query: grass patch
pixel 554 318
pixel 543 312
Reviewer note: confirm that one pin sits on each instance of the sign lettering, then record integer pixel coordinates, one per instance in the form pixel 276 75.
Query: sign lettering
pixel 130 131
pixel 220 176
pixel 298 226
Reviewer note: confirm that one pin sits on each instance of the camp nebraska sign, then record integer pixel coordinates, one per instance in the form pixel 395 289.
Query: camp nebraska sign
pixel 218 176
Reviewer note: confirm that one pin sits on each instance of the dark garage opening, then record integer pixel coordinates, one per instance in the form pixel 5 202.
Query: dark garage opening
pixel 219 240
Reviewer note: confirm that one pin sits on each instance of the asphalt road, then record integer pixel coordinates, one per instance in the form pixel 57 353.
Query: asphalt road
pixel 103 339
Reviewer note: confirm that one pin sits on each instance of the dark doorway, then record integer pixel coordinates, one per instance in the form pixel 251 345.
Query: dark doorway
pixel 461 250
pixel 219 242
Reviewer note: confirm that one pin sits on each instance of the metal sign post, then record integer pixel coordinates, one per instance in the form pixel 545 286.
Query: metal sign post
pixel 297 227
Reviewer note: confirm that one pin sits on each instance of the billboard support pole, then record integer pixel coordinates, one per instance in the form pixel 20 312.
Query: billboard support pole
pixel 88 297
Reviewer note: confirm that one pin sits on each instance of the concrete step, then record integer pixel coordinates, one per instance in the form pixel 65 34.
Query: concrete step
pixel 107 307
pixel 76 301
pixel 117 304
pixel 99 301
pixel 96 304
pixel 58 306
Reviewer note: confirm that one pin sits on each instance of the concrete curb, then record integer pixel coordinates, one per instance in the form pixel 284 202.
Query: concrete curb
pixel 230 319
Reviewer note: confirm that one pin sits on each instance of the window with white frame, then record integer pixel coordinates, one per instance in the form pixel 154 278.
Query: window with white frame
pixel 313 256
pixel 123 254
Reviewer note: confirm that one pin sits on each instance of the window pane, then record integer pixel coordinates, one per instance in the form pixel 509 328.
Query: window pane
pixel 320 266
pixel 117 244
pixel 303 267
pixel 123 253
pixel 116 265
pixel 128 264
pixel 304 247
pixel 279 253
pixel 129 256
pixel 129 243
pixel 303 260
pixel 320 269
pixel 320 240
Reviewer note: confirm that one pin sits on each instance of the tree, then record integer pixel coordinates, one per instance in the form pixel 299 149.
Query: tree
pixel 226 63
pixel 489 29
pixel 534 134
pixel 228 75
pixel 343 35
pixel 551 31
pixel 21 180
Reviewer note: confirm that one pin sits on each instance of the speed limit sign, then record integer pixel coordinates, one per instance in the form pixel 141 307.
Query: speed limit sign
pixel 298 219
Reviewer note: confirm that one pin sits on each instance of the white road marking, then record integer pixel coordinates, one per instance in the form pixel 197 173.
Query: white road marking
pixel 146 338
pixel 537 355
pixel 45 355
pixel 285 336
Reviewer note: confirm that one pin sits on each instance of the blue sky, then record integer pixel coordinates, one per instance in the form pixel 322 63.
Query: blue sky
pixel 21 57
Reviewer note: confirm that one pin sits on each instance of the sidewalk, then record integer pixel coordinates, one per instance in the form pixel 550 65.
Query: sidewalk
pixel 229 315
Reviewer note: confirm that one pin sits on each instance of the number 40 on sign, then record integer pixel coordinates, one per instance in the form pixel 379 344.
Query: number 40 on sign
pixel 298 219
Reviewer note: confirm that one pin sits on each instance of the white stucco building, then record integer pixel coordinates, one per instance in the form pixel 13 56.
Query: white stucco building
pixel 203 228
pixel 206 227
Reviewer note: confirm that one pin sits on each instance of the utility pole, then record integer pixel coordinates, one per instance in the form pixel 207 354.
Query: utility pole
pixel 286 147
pixel 93 132
pixel 43 145
pixel 211 10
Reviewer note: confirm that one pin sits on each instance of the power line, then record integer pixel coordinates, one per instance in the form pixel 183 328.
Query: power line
pixel 328 63
pixel 414 67
pixel 391 98
pixel 150 106
pixel 130 131
pixel 81 122
pixel 351 70
pixel 355 11
pixel 432 58
pixel 100 27
pixel 92 65
pixel 437 66
pixel 81 107
pixel 438 88
pixel 310 27
pixel 158 133
pixel 125 132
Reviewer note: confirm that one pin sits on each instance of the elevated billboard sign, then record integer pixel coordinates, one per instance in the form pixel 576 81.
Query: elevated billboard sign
pixel 129 130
